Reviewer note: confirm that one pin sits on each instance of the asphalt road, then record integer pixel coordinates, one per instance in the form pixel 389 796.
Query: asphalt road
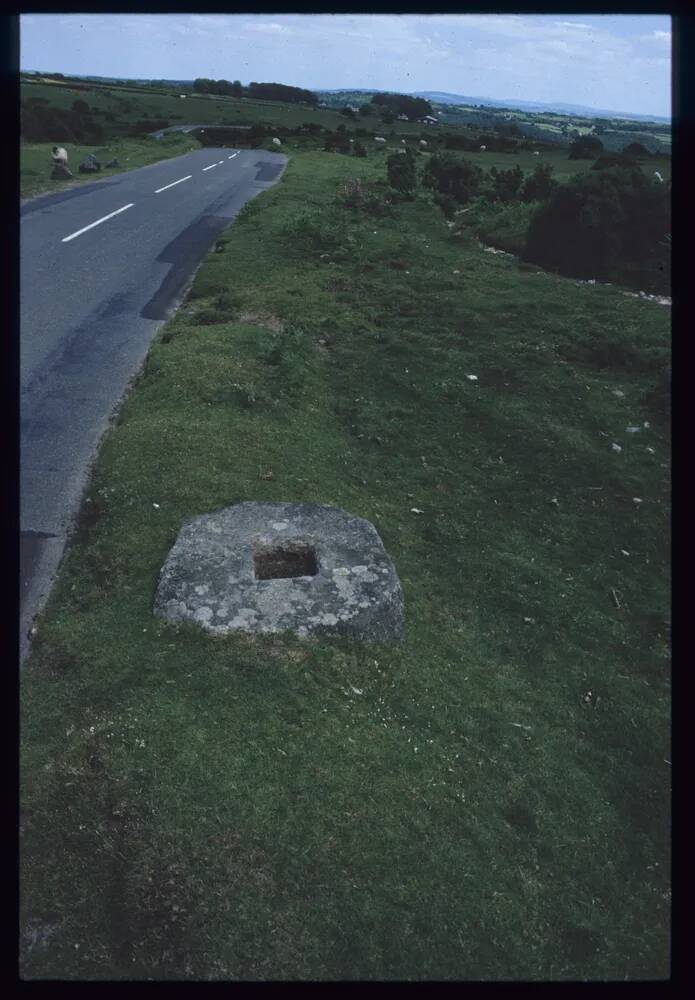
pixel 101 267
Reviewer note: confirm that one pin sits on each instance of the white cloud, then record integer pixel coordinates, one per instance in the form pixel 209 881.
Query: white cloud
pixel 270 26
pixel 572 24
pixel 662 38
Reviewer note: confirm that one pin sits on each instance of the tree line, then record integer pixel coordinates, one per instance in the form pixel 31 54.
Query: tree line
pixel 260 91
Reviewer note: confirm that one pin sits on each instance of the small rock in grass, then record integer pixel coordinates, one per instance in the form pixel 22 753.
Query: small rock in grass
pixel 632 430
pixel 637 500
pixel 619 393
pixel 472 378
pixel 616 447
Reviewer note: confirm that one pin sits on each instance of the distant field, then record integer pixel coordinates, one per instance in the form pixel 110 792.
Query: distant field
pixel 130 106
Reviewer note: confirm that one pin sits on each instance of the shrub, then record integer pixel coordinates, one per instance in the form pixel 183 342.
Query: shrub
pixel 539 185
pixel 446 203
pixel 585 147
pixel 636 149
pixel 313 231
pixel 401 172
pixel 337 142
pixel 601 225
pixel 358 194
pixel 452 176
pixel 615 160
pixel 359 149
pixel 460 142
pixel 506 183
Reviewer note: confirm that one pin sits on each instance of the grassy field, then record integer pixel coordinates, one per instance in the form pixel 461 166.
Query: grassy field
pixel 130 106
pixel 488 801
pixel 35 162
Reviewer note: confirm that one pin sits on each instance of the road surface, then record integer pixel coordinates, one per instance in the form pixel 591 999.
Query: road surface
pixel 101 268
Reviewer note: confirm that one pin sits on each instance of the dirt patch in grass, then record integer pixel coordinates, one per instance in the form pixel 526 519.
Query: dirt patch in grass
pixel 266 320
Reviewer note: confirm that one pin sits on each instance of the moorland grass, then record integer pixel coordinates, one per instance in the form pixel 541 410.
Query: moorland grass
pixel 490 799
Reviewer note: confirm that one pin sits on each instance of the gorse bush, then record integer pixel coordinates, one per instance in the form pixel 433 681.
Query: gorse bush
pixel 401 172
pixel 453 177
pixel 540 185
pixel 313 231
pixel 365 195
pixel 337 142
pixel 604 225
pixel 505 184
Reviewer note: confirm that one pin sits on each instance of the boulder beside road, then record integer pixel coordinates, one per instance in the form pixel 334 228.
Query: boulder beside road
pixel 90 165
pixel 61 173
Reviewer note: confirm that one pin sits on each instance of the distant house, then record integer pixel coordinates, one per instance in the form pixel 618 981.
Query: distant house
pixel 429 120
pixel 353 108
pixel 182 96
pixel 403 118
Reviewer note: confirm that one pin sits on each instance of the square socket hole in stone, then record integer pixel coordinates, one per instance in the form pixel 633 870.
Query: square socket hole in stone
pixel 284 560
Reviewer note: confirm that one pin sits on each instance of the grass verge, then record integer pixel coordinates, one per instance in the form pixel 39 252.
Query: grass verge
pixel 35 164
pixel 488 801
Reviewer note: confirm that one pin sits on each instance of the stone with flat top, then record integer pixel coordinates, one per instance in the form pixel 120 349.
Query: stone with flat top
pixel 272 567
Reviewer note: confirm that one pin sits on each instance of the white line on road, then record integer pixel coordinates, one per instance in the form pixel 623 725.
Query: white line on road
pixel 173 184
pixel 233 155
pixel 210 167
pixel 97 223
pixel 219 162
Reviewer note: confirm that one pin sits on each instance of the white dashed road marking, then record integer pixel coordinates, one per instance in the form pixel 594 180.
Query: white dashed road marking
pixel 210 167
pixel 167 186
pixel 233 155
pixel 79 232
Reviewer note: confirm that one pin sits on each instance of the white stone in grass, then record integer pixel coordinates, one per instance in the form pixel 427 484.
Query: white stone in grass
pixel 616 447
pixel 632 430
pixel 472 378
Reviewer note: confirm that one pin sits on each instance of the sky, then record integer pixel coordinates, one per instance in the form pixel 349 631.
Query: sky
pixel 614 62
